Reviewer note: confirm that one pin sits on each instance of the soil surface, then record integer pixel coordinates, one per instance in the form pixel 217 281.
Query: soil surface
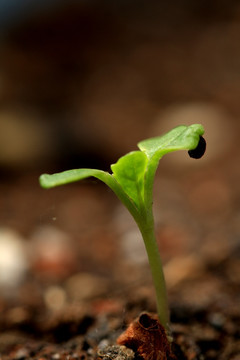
pixel 77 277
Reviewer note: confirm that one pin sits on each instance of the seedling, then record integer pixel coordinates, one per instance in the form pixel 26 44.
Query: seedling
pixel 132 181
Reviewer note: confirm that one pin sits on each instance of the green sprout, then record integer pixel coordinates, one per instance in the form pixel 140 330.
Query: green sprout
pixel 132 180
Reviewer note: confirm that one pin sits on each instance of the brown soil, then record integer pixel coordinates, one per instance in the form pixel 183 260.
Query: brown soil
pixel 79 313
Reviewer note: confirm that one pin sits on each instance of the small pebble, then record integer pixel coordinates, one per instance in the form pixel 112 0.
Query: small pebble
pixel 21 354
pixel 52 253
pixel 217 320
pixel 116 352
pixel 56 356
pixel 55 297
pixel 13 260
pixel 82 286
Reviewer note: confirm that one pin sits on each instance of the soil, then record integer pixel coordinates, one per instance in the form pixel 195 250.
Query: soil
pixel 75 303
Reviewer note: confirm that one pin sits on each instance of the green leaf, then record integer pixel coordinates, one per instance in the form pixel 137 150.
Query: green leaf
pixel 49 181
pixel 129 172
pixel 180 138
pixel 133 174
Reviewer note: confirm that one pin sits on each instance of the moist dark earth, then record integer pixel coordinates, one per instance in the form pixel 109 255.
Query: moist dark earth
pixel 73 269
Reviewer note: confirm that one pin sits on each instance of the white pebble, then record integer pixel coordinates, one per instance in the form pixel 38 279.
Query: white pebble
pixel 13 260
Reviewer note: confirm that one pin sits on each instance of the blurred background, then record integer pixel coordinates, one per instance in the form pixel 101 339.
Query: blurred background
pixel 81 82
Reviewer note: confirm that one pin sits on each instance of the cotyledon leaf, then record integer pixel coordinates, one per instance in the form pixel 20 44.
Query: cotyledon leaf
pixel 133 174
pixel 48 181
pixel 180 138
pixel 129 171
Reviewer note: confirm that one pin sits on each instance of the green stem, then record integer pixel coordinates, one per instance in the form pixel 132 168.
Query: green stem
pixel 155 263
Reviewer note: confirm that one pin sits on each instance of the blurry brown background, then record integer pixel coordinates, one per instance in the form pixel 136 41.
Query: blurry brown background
pixel 80 84
pixel 90 79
